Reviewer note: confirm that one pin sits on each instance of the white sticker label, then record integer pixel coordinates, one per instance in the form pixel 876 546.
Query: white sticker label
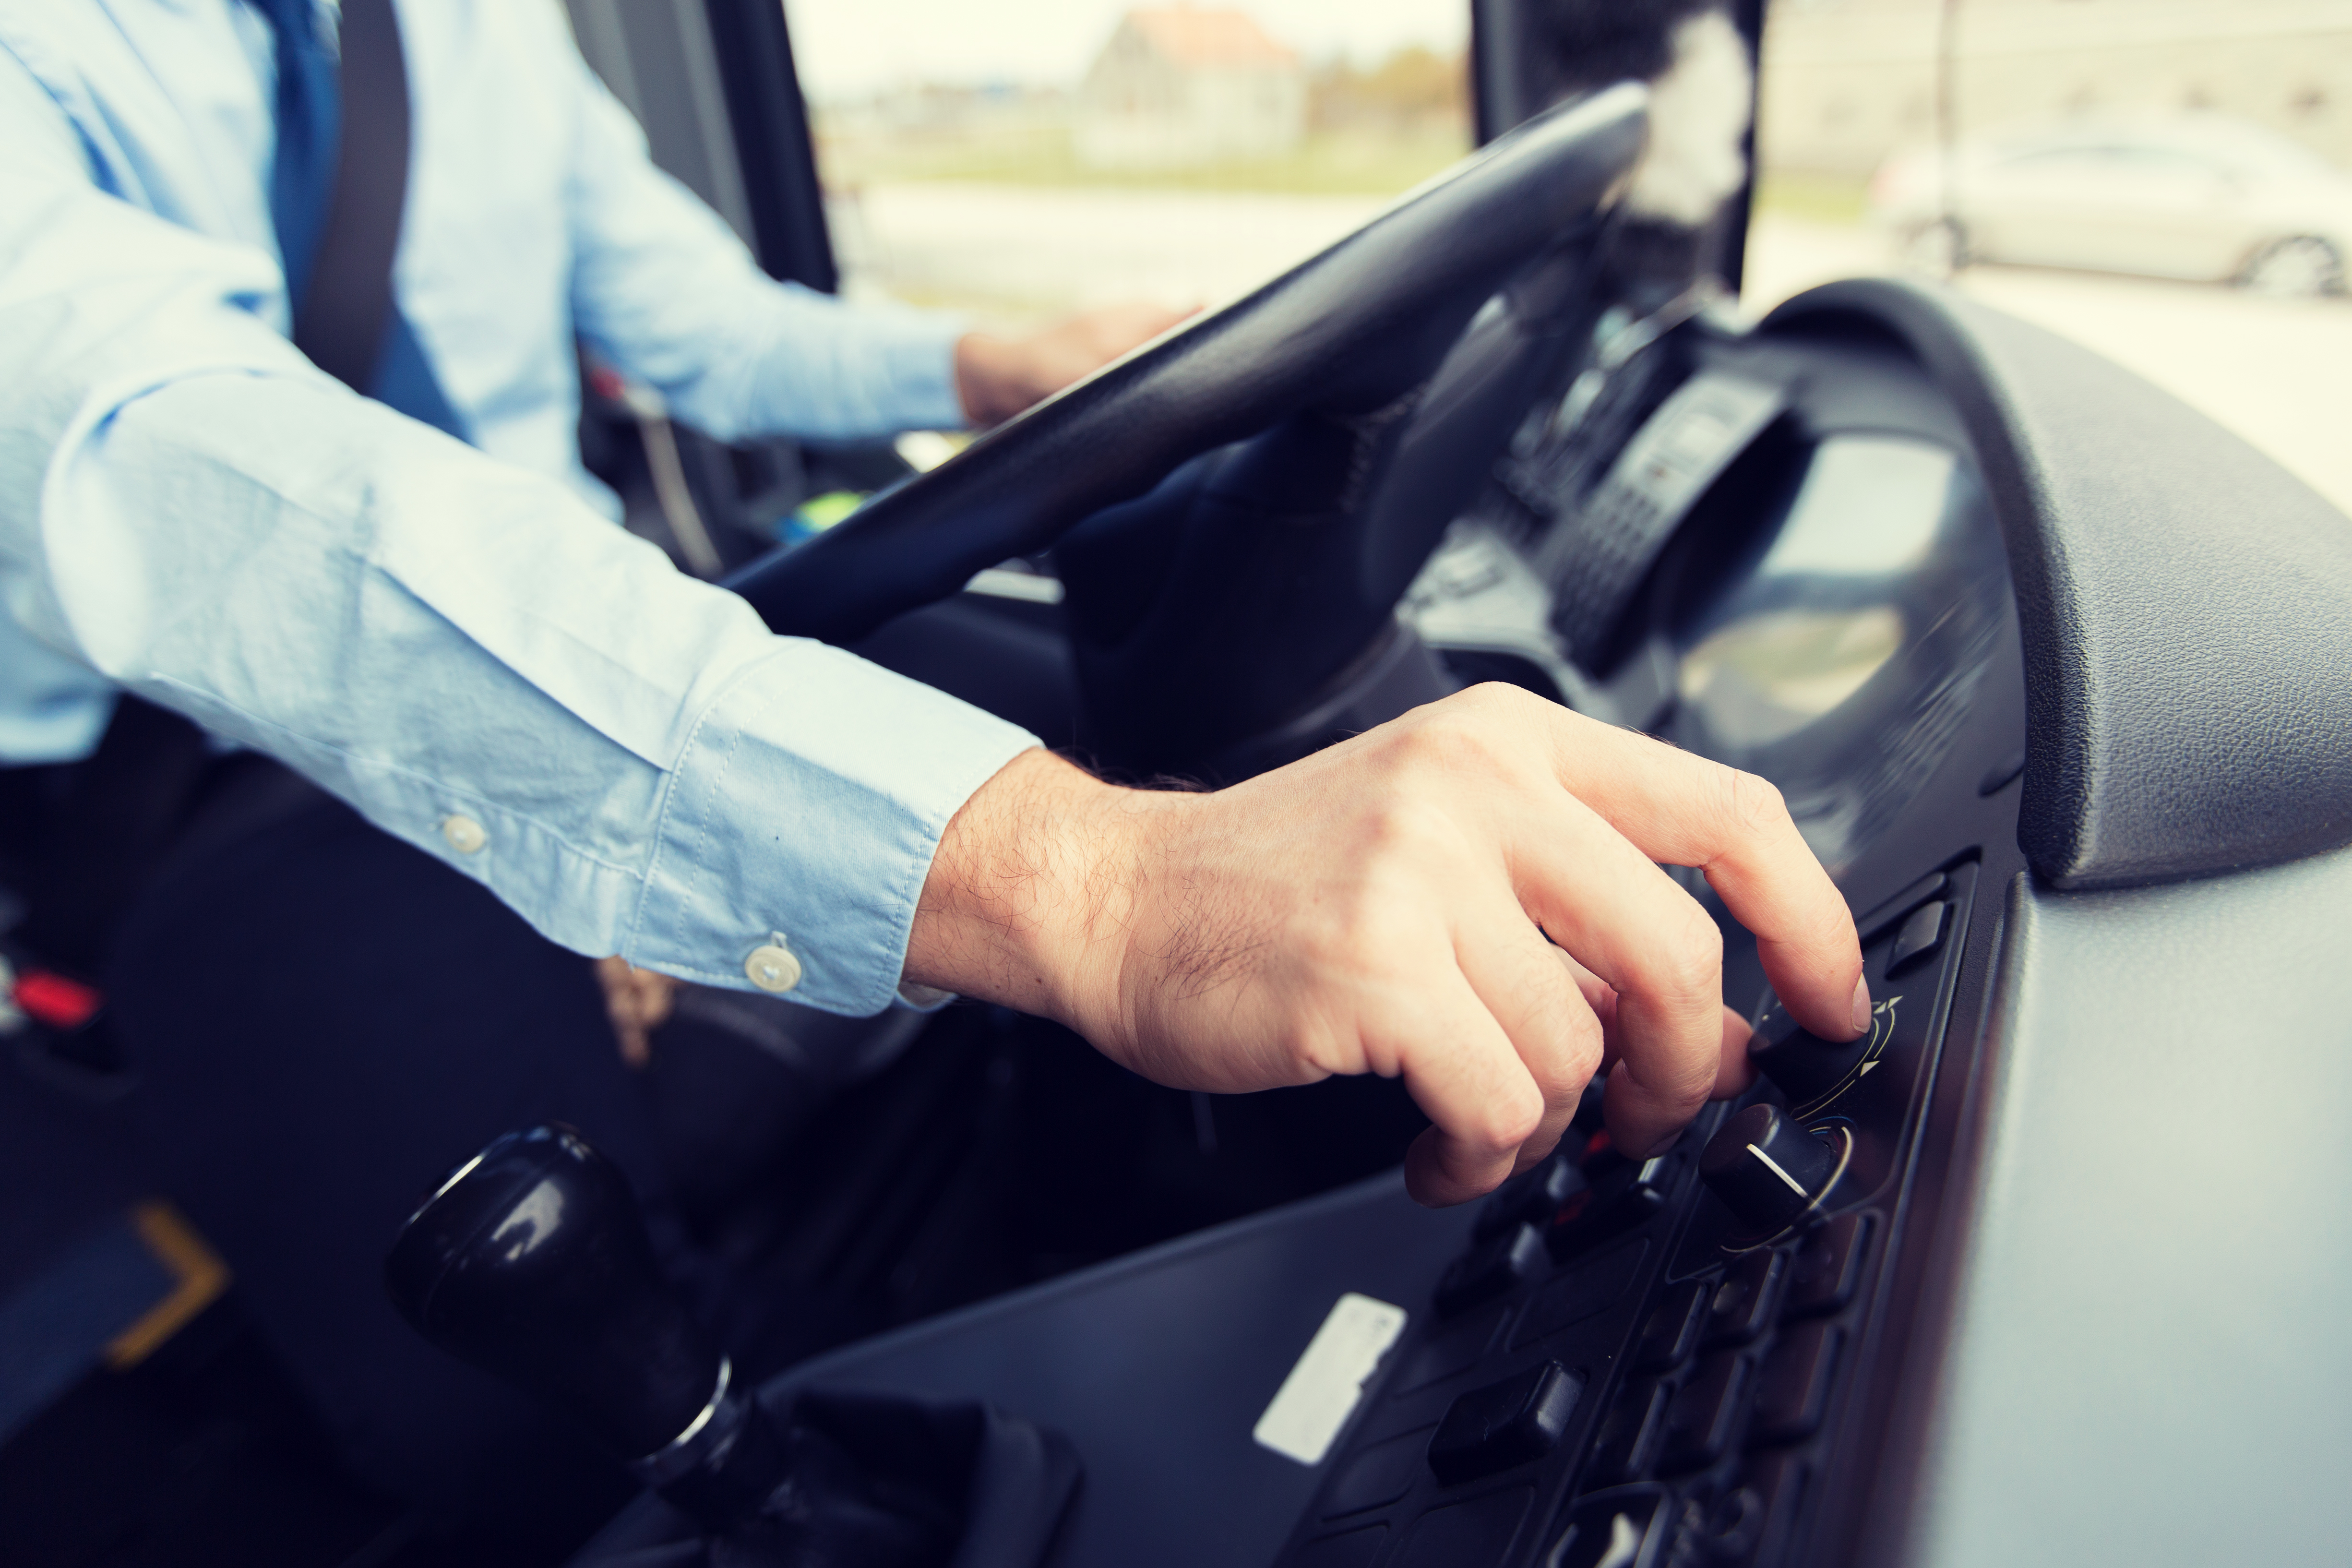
pixel 1314 1402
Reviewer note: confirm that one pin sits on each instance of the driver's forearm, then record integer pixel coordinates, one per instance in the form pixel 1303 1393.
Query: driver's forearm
pixel 1032 884
pixel 639 766
pixel 666 290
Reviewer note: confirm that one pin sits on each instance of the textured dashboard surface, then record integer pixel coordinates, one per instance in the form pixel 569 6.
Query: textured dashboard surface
pixel 2186 605
pixel 2149 1356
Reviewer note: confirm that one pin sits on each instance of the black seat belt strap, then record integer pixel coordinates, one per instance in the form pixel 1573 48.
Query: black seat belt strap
pixel 349 302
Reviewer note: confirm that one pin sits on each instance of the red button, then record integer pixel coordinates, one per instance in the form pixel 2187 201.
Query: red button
pixel 54 1000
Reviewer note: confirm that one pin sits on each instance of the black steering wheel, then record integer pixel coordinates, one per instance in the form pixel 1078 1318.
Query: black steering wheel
pixel 1344 334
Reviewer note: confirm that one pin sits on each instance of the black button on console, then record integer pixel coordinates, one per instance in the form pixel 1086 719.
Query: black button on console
pixel 1903 904
pixel 1621 1530
pixel 1828 1265
pixel 1704 1416
pixel 1491 1267
pixel 1523 1418
pixel 1623 1197
pixel 1922 934
pixel 1632 1435
pixel 1724 1529
pixel 1807 1067
pixel 1671 1334
pixel 1534 1197
pixel 1744 1300
pixel 1750 1524
pixel 1793 1386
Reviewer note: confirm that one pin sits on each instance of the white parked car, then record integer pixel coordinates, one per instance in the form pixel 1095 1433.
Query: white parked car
pixel 2196 195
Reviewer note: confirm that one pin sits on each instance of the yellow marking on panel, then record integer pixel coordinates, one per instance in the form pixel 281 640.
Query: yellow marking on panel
pixel 200 1274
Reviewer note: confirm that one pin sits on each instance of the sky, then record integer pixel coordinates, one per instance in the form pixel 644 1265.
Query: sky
pixel 846 49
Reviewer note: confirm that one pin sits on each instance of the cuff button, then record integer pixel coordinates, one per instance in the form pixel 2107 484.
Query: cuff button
pixel 464 835
pixel 773 968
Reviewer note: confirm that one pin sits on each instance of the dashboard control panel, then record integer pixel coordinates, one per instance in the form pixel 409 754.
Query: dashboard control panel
pixel 1636 1363
pixel 1712 1355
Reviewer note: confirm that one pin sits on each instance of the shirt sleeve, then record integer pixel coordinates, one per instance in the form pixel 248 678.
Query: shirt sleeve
pixel 666 290
pixel 625 756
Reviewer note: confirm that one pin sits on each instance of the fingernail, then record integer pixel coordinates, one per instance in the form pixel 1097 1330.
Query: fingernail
pixel 1861 1005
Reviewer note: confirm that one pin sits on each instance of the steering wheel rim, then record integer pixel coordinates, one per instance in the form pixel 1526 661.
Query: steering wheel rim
pixel 1348 329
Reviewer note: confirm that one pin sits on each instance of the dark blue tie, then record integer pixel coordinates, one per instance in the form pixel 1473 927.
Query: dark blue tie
pixel 309 108
pixel 301 186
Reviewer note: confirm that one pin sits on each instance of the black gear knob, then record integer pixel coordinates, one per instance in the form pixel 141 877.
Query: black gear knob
pixel 531 1261
pixel 1767 1168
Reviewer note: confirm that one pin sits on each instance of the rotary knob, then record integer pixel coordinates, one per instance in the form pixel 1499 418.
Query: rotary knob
pixel 1810 1070
pixel 1768 1168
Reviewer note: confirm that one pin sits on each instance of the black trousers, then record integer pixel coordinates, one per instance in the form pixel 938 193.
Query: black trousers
pixel 325 1021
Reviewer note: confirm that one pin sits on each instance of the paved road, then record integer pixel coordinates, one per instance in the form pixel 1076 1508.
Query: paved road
pixel 2278 372
pixel 1021 251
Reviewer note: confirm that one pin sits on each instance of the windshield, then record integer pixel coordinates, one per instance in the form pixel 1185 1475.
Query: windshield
pixel 1021 159
pixel 2163 182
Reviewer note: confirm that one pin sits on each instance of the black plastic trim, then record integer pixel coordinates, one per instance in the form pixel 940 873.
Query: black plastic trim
pixel 1499 96
pixel 2185 603
pixel 773 143
pixel 1739 210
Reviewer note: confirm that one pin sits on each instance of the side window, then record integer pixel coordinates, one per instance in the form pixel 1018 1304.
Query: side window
pixel 1026 157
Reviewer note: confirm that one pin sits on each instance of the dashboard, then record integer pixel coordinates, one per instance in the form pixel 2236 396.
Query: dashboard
pixel 1787 561
pixel 1777 553
pixel 2005 1280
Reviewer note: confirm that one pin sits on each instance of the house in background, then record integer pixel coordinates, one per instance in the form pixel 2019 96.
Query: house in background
pixel 1187 86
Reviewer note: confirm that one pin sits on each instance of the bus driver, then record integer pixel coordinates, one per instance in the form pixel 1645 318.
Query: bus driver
pixel 504 735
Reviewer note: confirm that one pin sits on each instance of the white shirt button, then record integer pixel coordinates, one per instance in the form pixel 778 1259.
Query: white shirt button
pixel 466 836
pixel 772 967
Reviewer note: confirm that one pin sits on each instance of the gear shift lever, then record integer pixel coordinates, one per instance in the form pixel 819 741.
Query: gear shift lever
pixel 531 1261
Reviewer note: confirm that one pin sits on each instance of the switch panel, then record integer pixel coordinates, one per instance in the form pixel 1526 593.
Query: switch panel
pixel 1663 1348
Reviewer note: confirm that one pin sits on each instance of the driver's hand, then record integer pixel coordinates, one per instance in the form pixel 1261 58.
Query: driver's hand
pixel 638 1002
pixel 996 378
pixel 1384 906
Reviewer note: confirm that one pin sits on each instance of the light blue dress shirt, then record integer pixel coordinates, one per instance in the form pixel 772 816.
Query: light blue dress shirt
pixel 453 639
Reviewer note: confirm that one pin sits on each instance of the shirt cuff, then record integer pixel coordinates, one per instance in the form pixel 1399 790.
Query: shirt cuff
pixel 805 809
pixel 922 998
pixel 919 361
